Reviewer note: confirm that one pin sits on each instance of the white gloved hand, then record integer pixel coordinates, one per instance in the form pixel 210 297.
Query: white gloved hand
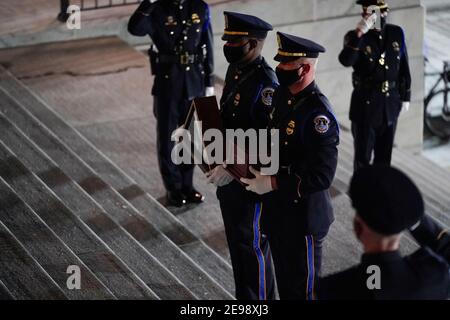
pixel 209 92
pixel 367 23
pixel 219 176
pixel 405 106
pixel 260 184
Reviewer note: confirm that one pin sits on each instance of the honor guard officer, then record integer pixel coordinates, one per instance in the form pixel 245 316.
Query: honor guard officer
pixel 246 103
pixel 181 60
pixel 387 203
pixel 297 210
pixel 382 83
pixel 429 233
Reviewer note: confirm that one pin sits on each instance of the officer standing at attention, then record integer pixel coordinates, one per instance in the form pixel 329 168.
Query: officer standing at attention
pixel 382 83
pixel 246 103
pixel 387 203
pixel 181 59
pixel 296 207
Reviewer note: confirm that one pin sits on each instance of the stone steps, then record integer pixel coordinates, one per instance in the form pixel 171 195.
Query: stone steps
pixel 96 255
pixel 147 267
pixel 47 249
pixel 21 276
pixel 171 227
pixel 164 265
pixel 5 294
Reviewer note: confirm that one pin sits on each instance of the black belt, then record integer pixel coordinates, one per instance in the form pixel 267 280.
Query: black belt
pixel 384 86
pixel 182 59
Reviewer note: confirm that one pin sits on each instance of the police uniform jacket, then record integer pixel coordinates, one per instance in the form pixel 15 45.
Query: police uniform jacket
pixel 247 95
pixel 381 76
pixel 309 135
pixel 422 275
pixel 184 40
pixel 246 101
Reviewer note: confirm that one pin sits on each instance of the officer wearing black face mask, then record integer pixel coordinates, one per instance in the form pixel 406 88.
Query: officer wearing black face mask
pixel 181 60
pixel 297 210
pixel 246 103
pixel 382 83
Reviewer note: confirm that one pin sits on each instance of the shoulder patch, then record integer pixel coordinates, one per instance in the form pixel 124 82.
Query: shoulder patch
pixel 267 96
pixel 321 124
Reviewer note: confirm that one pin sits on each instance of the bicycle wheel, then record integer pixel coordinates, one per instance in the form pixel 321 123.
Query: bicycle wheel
pixel 436 122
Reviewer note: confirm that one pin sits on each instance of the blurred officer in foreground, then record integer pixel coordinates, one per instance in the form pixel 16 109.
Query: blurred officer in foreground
pixel 296 208
pixel 246 104
pixel 181 60
pixel 429 233
pixel 387 203
pixel 381 81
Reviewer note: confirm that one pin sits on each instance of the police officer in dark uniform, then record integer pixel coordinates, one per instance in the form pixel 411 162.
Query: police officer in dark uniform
pixel 431 234
pixel 297 210
pixel 387 203
pixel 182 62
pixel 246 103
pixel 381 80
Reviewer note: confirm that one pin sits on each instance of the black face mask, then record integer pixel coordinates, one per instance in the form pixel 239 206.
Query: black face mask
pixel 288 77
pixel 235 54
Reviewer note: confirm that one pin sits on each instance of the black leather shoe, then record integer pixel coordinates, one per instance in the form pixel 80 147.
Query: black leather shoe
pixel 176 198
pixel 193 196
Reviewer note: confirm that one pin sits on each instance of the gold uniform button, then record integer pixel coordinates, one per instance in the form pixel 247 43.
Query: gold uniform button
pixel 286 143
pixel 188 68
pixel 289 102
pixel 236 77
pixel 387 67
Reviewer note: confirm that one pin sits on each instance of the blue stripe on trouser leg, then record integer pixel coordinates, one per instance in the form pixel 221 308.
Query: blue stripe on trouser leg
pixel 258 252
pixel 310 265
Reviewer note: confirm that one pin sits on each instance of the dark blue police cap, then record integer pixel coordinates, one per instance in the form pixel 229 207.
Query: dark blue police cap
pixel 379 3
pixel 386 199
pixel 238 25
pixel 292 48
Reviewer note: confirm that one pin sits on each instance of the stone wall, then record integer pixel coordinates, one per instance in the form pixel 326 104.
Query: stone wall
pixel 327 21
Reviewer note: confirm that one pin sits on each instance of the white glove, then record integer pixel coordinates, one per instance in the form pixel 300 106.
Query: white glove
pixel 209 92
pixel 405 106
pixel 219 176
pixel 367 23
pixel 260 185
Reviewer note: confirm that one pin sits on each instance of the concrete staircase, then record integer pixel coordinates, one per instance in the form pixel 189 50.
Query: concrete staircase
pixel 61 207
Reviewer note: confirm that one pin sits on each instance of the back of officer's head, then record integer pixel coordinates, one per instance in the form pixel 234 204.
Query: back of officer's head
pixel 386 201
